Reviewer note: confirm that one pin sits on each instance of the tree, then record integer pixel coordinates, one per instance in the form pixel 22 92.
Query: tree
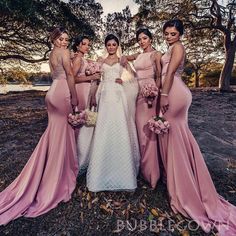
pixel 210 15
pixel 121 24
pixel 214 16
pixel 91 11
pixel 16 74
pixel 24 26
pixel 201 53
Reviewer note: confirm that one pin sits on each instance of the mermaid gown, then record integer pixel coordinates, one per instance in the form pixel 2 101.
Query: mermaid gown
pixel 149 152
pixel 191 190
pixel 49 176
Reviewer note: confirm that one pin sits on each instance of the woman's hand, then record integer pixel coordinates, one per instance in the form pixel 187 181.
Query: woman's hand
pixel 96 76
pixel 119 81
pixel 164 103
pixel 124 61
pixel 74 102
pixel 158 83
pixel 93 102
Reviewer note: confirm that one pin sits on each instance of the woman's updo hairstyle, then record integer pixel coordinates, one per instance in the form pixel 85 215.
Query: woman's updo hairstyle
pixel 178 24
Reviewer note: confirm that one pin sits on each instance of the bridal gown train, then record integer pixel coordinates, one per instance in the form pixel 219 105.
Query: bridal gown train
pixel 114 153
pixel 49 176
pixel 191 190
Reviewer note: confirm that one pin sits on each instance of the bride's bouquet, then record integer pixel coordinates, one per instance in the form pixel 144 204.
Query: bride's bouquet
pixel 92 68
pixel 149 91
pixel 77 119
pixel 158 125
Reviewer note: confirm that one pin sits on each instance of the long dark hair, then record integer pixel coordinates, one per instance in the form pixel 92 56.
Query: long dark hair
pixel 178 24
pixel 77 42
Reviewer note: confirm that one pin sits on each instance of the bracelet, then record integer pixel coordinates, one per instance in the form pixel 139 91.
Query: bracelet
pixel 164 94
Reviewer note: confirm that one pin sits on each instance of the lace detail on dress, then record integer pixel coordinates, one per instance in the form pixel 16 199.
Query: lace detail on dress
pixel 112 163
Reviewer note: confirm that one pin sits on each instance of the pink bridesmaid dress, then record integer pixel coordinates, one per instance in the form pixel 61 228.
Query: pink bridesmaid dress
pixel 49 176
pixel 191 190
pixel 149 163
pixel 82 88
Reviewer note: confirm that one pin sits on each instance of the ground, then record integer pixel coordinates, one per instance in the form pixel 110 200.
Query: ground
pixel 23 119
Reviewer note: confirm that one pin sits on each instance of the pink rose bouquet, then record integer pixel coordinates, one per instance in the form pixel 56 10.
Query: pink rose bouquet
pixel 158 125
pixel 77 119
pixel 149 91
pixel 92 68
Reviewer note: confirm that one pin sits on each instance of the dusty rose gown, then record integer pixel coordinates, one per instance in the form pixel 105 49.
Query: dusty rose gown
pixel 191 190
pixel 82 88
pixel 149 164
pixel 49 176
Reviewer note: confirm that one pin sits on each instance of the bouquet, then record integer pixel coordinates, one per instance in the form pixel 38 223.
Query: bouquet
pixel 158 125
pixel 77 119
pixel 91 117
pixel 92 68
pixel 149 91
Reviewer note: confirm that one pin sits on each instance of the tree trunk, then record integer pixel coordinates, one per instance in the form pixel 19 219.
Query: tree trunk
pixel 225 76
pixel 196 79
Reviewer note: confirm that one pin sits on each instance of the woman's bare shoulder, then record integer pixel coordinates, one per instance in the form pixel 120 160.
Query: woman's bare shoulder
pixel 178 46
pixel 158 53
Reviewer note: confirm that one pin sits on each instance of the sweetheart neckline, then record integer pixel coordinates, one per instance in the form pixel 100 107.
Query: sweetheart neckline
pixel 111 64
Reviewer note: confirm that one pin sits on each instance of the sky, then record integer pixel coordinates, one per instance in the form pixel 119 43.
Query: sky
pixel 109 6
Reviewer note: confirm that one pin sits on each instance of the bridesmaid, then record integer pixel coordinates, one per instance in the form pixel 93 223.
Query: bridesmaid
pixel 148 70
pixel 81 47
pixel 49 176
pixel 86 85
pixel 183 161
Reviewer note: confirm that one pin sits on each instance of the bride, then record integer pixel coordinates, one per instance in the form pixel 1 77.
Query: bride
pixel 114 153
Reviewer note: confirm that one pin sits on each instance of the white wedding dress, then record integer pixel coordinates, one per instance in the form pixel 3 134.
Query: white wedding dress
pixel 114 152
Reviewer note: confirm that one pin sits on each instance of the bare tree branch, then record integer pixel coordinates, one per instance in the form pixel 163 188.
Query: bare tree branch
pixel 22 58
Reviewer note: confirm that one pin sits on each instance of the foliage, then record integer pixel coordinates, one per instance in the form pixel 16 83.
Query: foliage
pixel 215 18
pixel 19 75
pixel 16 74
pixel 121 24
pixel 24 27
pixel 92 12
pixel 208 74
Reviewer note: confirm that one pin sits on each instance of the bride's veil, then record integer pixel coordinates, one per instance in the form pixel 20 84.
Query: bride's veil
pixel 131 89
pixel 128 72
